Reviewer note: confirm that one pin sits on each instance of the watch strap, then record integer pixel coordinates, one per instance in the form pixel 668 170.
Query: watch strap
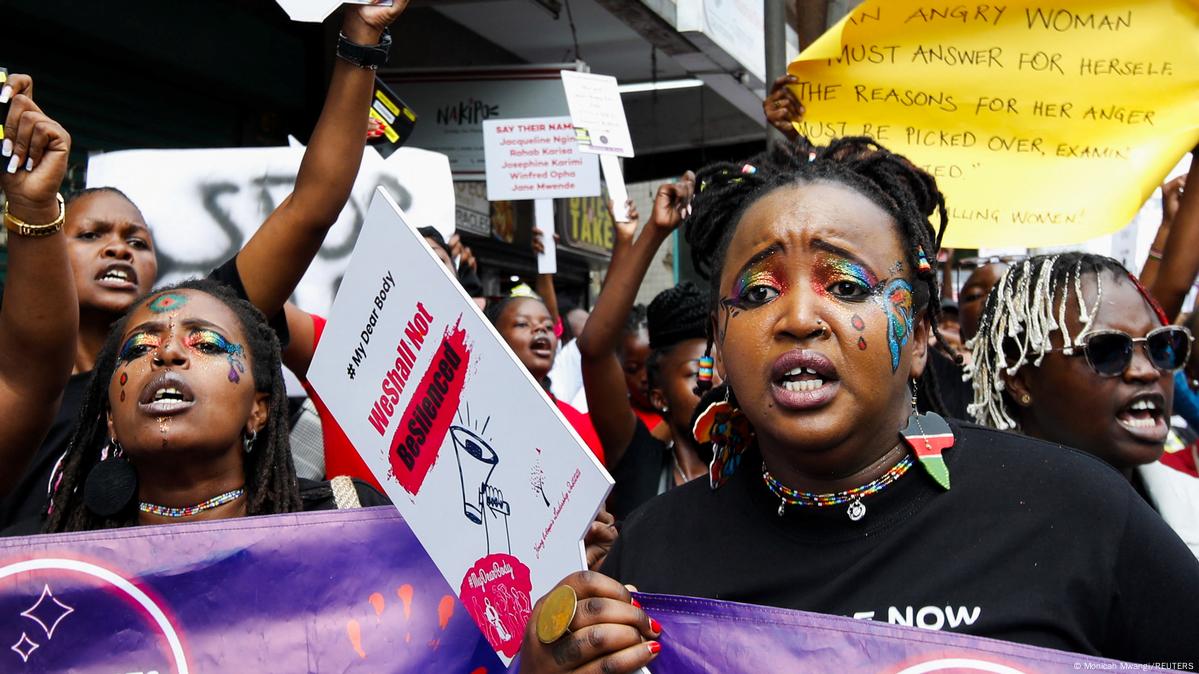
pixel 369 56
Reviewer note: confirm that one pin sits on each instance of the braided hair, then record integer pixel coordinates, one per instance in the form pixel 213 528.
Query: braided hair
pixel 908 194
pixel 675 315
pixel 1023 310
pixel 270 486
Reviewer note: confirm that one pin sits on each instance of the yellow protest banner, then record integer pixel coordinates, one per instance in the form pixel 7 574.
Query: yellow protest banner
pixel 1044 123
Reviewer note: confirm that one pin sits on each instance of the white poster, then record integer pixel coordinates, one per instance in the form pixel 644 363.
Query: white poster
pixel 537 158
pixel 597 113
pixel 495 484
pixel 203 205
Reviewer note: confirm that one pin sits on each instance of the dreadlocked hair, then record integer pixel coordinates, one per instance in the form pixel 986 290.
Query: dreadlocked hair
pixel 908 194
pixel 270 486
pixel 1023 310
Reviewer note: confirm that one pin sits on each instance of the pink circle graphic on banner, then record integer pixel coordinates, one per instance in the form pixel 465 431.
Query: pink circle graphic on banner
pixel 497 593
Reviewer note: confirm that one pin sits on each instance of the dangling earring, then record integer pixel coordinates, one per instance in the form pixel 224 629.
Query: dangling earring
pixel 730 433
pixel 112 483
pixel 928 435
pixel 247 440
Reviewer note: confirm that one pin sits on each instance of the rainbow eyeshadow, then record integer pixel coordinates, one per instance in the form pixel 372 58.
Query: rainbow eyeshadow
pixel 219 344
pixel 763 270
pixel 137 345
pixel 214 339
pixel 831 269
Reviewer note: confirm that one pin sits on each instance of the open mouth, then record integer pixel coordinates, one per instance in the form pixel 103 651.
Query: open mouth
pixel 803 379
pixel 1144 417
pixel 118 277
pixel 542 347
pixel 165 395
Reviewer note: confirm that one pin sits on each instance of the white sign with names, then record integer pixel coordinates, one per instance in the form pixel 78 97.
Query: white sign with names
pixel 597 113
pixel 495 484
pixel 537 158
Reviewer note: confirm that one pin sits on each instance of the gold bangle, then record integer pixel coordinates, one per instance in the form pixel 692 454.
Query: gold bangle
pixel 22 228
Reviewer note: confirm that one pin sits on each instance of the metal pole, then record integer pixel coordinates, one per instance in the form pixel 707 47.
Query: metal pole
pixel 775 29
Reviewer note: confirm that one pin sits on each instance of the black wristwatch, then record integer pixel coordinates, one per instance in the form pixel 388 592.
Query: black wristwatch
pixel 369 56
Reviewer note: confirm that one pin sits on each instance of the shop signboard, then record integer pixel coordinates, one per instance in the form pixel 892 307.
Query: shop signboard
pixel 454 103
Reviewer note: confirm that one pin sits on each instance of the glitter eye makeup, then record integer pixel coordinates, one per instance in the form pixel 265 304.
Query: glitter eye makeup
pixel 831 270
pixel 138 345
pixel 760 281
pixel 209 341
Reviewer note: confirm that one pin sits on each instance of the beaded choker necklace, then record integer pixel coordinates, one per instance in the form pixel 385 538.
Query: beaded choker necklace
pixel 856 511
pixel 166 511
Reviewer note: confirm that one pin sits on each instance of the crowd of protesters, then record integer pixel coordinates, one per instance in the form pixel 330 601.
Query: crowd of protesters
pixel 823 423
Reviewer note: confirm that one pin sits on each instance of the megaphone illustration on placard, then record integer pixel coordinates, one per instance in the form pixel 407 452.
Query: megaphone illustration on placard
pixel 476 461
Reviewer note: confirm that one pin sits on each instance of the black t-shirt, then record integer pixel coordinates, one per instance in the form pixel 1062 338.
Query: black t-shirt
pixel 29 496
pixel 1034 543
pixel 638 476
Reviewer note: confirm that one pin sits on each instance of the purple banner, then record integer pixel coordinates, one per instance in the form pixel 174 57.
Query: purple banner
pixel 348 591
pixel 704 635
pixel 353 591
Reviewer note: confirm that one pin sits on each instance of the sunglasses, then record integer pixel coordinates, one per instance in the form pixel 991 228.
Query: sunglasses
pixel 1109 352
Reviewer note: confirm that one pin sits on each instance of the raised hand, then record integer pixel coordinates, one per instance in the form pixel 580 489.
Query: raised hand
pixel 672 204
pixel 365 24
pixel 781 107
pixel 35 151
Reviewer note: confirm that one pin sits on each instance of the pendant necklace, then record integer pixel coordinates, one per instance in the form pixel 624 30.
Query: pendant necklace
pixel 856 510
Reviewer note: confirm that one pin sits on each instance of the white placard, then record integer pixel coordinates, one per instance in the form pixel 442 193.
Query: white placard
pixel 315 11
pixel 495 484
pixel 543 219
pixel 537 158
pixel 597 113
pixel 203 205
pixel 617 192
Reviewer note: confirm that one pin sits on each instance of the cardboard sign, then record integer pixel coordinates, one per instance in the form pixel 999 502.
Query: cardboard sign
pixel 536 158
pixel 495 484
pixel 315 11
pixel 1043 124
pixel 391 120
pixel 597 113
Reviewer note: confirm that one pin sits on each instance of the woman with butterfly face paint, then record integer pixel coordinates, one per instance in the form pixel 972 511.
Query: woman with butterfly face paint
pixel 829 491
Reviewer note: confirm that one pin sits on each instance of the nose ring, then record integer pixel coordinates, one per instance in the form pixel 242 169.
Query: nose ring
pixel 824 331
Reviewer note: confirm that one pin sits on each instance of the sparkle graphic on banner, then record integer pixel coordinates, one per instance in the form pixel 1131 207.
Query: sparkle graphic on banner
pixel 53 612
pixel 24 647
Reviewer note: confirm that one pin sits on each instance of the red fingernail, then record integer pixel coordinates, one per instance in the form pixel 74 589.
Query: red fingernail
pixel 655 626
pixel 636 603
pixel 654 647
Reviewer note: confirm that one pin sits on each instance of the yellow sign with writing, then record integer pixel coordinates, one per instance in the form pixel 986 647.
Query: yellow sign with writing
pixel 1043 123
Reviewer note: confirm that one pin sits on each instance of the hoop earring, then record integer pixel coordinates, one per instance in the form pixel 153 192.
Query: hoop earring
pixel 247 441
pixel 111 484
pixel 723 424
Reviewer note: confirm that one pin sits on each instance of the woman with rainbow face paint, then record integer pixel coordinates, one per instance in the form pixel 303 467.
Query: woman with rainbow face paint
pixel 829 489
pixel 185 419
pixel 112 255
